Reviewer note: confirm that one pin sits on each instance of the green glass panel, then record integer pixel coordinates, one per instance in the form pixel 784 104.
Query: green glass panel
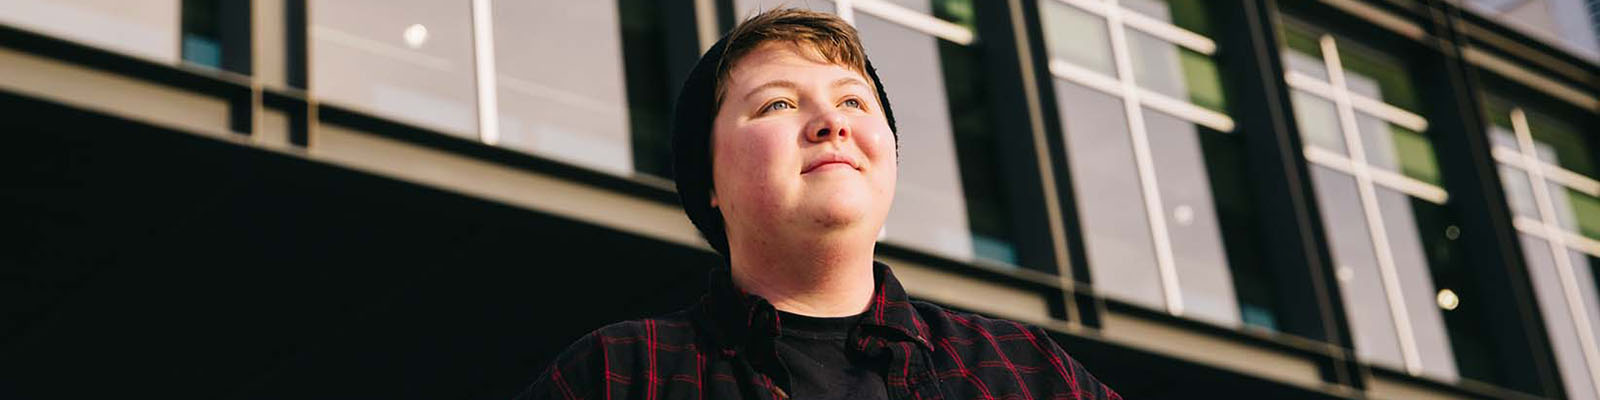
pixel 1205 82
pixel 1416 155
pixel 958 12
pixel 1587 209
pixel 1370 73
pixel 1302 40
pixel 1571 148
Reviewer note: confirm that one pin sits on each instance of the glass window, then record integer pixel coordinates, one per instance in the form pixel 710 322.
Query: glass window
pixel 1384 209
pixel 147 29
pixel 1545 169
pixel 650 88
pixel 412 63
pixel 202 33
pixel 1155 160
pixel 572 108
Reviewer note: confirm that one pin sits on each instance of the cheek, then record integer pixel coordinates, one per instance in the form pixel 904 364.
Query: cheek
pixel 747 159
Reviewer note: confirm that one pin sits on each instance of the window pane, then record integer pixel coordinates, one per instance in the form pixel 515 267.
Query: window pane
pixel 1575 210
pixel 1376 76
pixel 573 107
pixel 146 29
pixel 412 63
pixel 1410 224
pixel 1175 71
pixel 1192 226
pixel 1519 192
pixel 1366 304
pixel 1397 149
pixel 1304 54
pixel 1560 143
pixel 1559 324
pixel 1318 121
pixel 1186 14
pixel 650 87
pixel 1105 180
pixel 929 211
pixel 986 189
pixel 1077 37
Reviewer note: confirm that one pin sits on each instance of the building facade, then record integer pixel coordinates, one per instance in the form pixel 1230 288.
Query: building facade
pixel 427 198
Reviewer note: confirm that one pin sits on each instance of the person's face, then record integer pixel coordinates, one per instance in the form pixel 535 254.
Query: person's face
pixel 800 147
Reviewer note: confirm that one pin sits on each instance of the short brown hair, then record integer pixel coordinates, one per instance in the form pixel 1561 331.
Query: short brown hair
pixel 829 37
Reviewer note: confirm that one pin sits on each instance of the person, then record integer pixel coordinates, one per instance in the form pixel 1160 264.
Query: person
pixel 786 155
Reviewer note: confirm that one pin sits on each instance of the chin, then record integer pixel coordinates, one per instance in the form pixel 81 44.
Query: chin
pixel 840 211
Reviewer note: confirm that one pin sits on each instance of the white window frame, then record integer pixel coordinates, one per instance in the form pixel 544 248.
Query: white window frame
pixel 1547 227
pixel 1368 178
pixel 1134 100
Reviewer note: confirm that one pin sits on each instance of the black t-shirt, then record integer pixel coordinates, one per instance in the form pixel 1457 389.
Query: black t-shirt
pixel 820 365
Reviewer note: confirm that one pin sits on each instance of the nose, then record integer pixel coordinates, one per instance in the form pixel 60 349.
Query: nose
pixel 828 126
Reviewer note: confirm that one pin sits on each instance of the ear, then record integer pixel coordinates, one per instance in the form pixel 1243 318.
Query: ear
pixel 713 199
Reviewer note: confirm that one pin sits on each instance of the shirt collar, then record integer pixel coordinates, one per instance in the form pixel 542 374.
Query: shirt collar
pixel 738 317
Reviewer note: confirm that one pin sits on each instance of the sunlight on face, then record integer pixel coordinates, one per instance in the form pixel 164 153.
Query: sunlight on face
pixel 800 147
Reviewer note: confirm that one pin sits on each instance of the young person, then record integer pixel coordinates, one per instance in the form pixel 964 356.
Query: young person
pixel 785 155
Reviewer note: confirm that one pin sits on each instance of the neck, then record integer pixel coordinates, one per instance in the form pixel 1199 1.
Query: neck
pixel 818 280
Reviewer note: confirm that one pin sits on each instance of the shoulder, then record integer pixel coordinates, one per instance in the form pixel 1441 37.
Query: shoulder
pixel 616 353
pixel 959 325
pixel 1007 351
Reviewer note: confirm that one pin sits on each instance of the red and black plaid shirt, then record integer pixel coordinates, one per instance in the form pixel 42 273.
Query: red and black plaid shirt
pixel 721 348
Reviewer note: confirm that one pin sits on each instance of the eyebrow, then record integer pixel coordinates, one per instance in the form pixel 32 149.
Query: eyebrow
pixel 787 84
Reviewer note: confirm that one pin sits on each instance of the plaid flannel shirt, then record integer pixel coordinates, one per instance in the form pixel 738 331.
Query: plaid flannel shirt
pixel 722 348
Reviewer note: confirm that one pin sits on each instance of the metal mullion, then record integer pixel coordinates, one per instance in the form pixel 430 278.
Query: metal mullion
pixel 1143 160
pixel 1556 237
pixel 1369 203
pixel 483 57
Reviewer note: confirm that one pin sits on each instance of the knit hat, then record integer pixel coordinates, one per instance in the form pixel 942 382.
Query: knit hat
pixel 691 142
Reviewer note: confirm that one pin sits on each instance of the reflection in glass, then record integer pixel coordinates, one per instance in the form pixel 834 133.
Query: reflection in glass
pixel 1304 53
pixel 1559 323
pixel 1397 149
pixel 930 211
pixel 1377 76
pixel 1077 37
pixel 1197 248
pixel 1519 192
pixel 1116 232
pixel 572 108
pixel 649 89
pixel 1175 71
pixel 1318 121
pixel 1421 250
pixel 1360 284
pixel 988 203
pixel 360 59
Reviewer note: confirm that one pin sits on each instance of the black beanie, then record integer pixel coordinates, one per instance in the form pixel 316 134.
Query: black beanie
pixel 691 142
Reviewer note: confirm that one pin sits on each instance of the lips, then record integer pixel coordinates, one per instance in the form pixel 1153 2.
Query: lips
pixel 830 159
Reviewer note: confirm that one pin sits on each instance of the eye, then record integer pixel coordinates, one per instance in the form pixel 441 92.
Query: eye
pixel 777 106
pixel 852 103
